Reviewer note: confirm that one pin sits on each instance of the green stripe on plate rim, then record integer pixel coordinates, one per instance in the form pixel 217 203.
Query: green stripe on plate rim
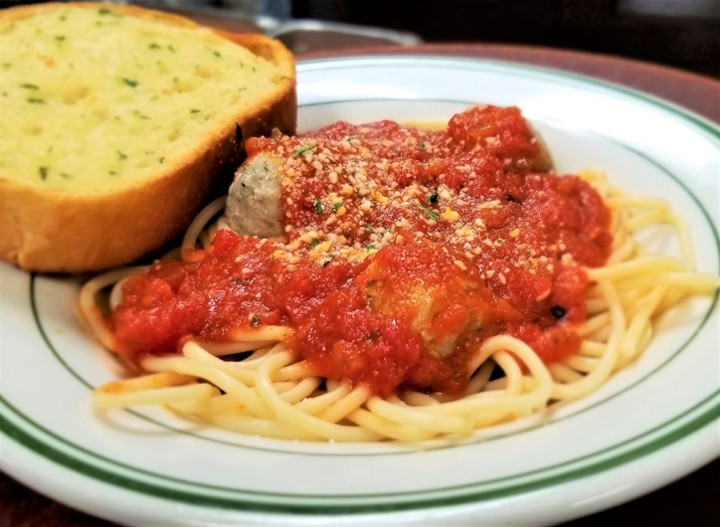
pixel 703 414
pixel 669 432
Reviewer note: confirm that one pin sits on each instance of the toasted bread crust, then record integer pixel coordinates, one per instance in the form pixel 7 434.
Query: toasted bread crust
pixel 67 232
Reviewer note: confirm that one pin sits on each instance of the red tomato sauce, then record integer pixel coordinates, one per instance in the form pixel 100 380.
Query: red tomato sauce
pixel 404 250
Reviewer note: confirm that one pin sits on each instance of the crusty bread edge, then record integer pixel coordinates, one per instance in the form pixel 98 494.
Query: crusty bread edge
pixel 65 233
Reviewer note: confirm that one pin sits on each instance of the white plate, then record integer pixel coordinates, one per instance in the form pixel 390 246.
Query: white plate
pixel 651 424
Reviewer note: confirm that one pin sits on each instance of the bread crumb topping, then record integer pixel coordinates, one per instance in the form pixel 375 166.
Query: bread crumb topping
pixel 489 202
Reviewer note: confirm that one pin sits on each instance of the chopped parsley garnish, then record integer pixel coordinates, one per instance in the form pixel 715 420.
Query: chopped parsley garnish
pixel 35 100
pixel 130 82
pixel 558 312
pixel 319 207
pixel 121 155
pixel 29 86
pixel 371 247
pixel 194 110
pixel 337 206
pixel 104 11
pixel 302 149
pixel 154 45
pixel 431 214
pixel 422 145
pixel 368 228
pixel 255 320
pixel 432 198
pixel 43 171
pixel 329 257
pixel 314 243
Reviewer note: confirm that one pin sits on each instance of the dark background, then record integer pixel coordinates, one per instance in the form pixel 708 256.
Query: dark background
pixel 678 33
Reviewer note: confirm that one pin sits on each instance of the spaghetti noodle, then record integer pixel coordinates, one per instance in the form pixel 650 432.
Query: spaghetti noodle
pixel 429 283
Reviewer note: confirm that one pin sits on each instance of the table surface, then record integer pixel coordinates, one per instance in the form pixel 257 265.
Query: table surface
pixel 689 501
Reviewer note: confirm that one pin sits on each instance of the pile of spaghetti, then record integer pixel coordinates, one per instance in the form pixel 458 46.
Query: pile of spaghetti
pixel 421 284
